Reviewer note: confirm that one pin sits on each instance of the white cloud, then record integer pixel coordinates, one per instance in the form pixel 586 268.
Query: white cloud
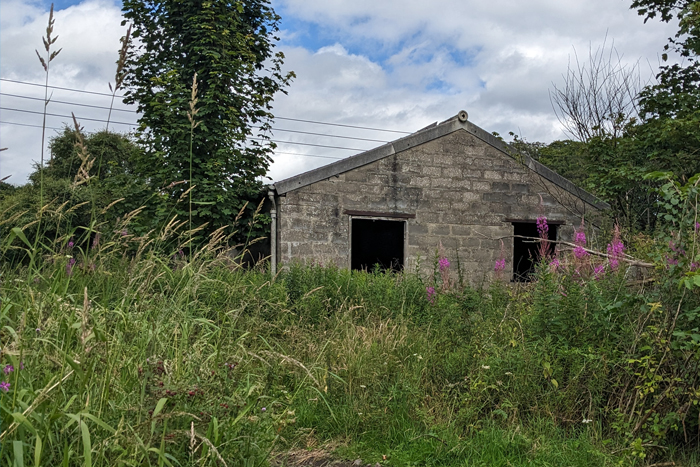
pixel 397 64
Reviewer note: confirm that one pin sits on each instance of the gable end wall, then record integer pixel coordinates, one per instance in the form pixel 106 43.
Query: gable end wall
pixel 460 189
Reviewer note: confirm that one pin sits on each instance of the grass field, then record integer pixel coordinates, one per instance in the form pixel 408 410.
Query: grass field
pixel 146 359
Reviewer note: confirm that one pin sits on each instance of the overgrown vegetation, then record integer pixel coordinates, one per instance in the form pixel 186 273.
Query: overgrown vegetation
pixel 115 352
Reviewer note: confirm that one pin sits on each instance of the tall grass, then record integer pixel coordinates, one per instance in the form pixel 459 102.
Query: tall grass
pixel 120 349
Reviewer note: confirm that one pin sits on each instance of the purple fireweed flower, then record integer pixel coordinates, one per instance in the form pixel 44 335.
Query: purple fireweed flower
pixel 542 227
pixel 444 263
pixel 580 238
pixel 598 271
pixel 8 369
pixel 694 267
pixel 580 252
pixel 21 365
pixel 70 244
pixel 500 265
pixel 671 261
pixel 69 266
pixel 615 249
pixel 697 226
pixel 5 386
pixel 430 292
pixel 554 264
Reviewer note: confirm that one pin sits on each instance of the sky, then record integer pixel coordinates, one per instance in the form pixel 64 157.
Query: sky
pixel 396 65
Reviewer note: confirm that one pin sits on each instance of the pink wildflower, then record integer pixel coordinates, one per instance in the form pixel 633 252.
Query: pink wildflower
pixel 580 252
pixel 431 293
pixel 69 266
pixel 500 265
pixel 615 249
pixel 542 227
pixel 8 369
pixel 694 266
pixel 5 386
pixel 598 271
pixel 555 265
pixel 444 263
pixel 580 238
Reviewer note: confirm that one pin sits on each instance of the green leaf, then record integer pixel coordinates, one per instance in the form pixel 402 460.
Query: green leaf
pixel 37 452
pixel 87 444
pixel 18 451
pixel 159 406
pixel 18 232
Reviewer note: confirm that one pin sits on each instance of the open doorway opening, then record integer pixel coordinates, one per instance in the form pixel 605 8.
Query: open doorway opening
pixel 377 243
pixel 526 252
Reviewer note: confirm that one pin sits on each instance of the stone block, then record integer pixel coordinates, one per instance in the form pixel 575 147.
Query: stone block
pixel 438 229
pixel 481 186
pixel 500 186
pixel 493 175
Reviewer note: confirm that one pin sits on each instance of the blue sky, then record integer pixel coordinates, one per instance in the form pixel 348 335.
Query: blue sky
pixel 390 64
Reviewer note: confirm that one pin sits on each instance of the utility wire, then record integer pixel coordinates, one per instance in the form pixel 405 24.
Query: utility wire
pixel 276 117
pixel 134 124
pixel 256 139
pixel 66 116
pixel 41 99
pixel 133 111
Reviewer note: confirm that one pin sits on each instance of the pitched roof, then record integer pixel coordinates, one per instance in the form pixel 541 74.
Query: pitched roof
pixel 430 133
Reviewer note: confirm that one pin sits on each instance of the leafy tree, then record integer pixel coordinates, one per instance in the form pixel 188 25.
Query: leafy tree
pixel 114 154
pixel 670 109
pixel 225 150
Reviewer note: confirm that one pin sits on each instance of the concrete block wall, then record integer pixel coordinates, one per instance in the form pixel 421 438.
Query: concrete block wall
pixel 460 189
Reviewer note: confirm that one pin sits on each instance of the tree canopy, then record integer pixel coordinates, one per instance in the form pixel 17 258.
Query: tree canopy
pixel 223 151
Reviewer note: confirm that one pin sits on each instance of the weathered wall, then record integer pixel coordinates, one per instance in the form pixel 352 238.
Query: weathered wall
pixel 460 189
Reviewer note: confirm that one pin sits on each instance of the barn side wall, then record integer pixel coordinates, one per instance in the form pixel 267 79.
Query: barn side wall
pixel 460 189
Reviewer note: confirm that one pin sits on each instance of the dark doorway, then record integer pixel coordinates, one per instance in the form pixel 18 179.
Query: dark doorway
pixel 526 252
pixel 377 243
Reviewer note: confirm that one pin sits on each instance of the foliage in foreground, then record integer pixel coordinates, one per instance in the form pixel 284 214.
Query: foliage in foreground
pixel 145 359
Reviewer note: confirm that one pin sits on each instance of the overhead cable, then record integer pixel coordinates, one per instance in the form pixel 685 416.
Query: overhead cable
pixel 315 122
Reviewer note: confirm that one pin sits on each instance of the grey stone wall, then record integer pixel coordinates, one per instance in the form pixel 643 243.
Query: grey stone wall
pixel 460 189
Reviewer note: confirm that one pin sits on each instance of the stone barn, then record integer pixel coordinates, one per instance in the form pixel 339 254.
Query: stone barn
pixel 451 184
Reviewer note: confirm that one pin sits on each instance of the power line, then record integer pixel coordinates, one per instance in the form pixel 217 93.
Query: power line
pixel 342 125
pixel 58 87
pixel 67 116
pixel 32 126
pixel 67 103
pixel 133 124
pixel 277 118
pixel 307 155
pixel 257 139
pixel 133 111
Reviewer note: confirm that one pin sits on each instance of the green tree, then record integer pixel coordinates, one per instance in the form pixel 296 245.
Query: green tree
pixel 229 45
pixel 669 132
